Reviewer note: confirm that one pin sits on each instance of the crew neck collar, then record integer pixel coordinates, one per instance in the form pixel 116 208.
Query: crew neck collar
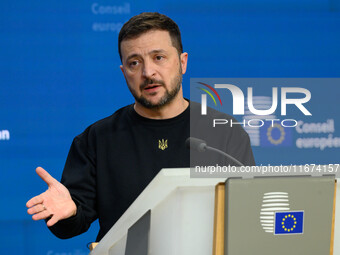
pixel 175 119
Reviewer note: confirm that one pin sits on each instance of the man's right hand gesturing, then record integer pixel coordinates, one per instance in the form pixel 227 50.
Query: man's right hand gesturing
pixel 55 202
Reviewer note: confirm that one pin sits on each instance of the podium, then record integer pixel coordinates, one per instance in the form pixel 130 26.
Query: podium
pixel 175 214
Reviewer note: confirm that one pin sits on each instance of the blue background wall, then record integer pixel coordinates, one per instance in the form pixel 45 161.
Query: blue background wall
pixel 59 72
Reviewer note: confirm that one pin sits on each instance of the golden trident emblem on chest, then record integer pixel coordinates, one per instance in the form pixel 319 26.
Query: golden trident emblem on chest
pixel 162 144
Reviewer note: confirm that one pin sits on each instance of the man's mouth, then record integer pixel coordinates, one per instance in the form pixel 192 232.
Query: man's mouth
pixel 152 87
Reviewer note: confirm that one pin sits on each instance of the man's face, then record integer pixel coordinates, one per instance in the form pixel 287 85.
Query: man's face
pixel 152 68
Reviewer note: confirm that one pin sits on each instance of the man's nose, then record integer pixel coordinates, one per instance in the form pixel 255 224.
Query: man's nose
pixel 149 69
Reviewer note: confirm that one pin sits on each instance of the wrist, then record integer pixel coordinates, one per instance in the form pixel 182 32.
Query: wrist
pixel 75 209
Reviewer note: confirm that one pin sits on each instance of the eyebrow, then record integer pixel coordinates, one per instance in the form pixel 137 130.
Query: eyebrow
pixel 151 52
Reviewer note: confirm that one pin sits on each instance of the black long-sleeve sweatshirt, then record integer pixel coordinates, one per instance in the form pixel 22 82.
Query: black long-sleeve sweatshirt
pixel 114 159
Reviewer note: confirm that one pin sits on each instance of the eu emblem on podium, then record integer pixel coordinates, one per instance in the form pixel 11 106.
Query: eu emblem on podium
pixel 289 222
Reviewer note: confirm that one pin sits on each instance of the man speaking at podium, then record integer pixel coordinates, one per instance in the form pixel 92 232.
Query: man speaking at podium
pixel 114 159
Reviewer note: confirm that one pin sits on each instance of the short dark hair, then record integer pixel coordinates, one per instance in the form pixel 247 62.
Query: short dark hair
pixel 147 21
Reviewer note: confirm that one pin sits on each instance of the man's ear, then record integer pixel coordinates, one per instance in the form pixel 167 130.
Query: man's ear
pixel 122 69
pixel 184 61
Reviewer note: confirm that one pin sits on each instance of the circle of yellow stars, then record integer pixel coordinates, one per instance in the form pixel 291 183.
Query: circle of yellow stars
pixel 289 216
pixel 282 134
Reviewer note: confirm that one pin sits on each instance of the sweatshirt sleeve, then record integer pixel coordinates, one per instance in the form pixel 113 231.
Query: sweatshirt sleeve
pixel 79 177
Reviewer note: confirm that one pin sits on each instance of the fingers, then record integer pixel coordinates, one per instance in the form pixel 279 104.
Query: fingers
pixel 36 209
pixel 41 215
pixel 54 203
pixel 52 221
pixel 45 176
pixel 35 201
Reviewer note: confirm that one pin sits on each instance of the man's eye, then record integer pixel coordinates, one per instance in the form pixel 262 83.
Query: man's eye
pixel 133 63
pixel 159 57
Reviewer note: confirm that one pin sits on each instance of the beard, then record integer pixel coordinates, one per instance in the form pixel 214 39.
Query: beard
pixel 169 95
